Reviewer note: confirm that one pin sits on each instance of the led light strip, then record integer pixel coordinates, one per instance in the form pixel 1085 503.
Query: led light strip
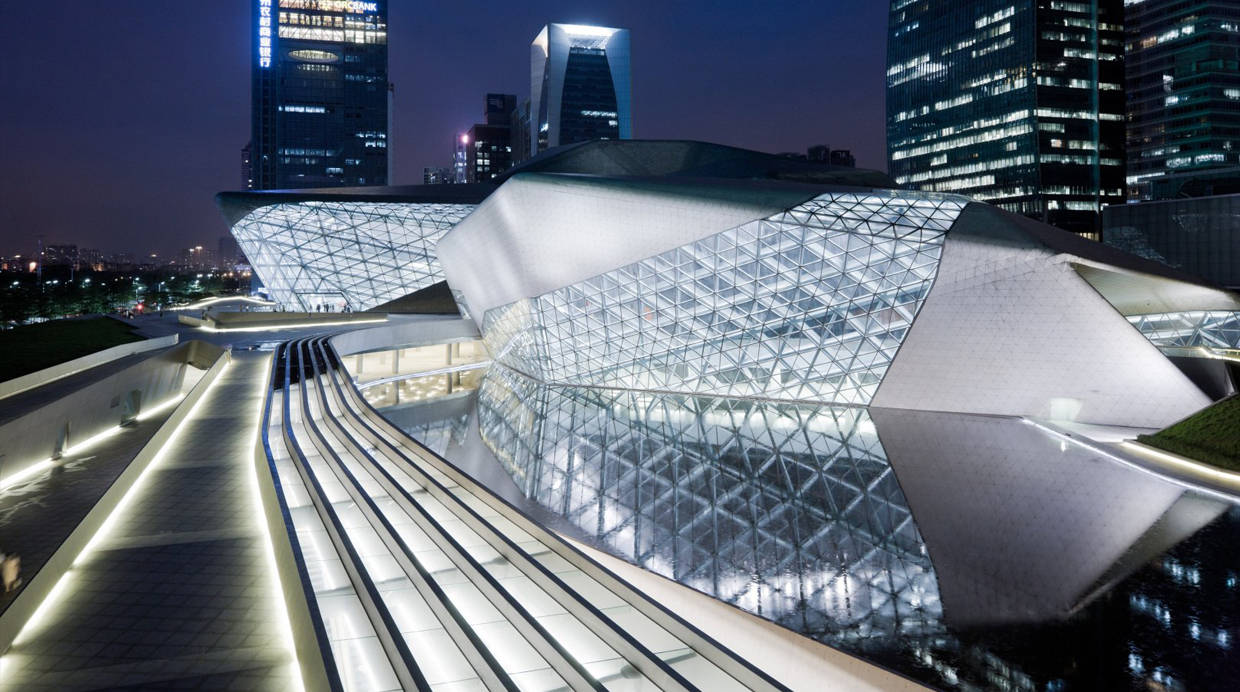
pixel 82 446
pixel 213 301
pixel 299 325
pixel 1174 481
pixel 284 624
pixel 1211 354
pixel 1196 466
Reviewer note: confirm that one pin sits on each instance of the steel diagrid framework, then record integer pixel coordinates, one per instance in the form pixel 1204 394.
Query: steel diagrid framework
pixel 808 304
pixel 788 511
pixel 1212 329
pixel 361 254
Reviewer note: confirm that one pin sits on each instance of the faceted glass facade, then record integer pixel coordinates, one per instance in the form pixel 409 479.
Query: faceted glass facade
pixel 808 304
pixel 335 254
pixel 1211 329
pixel 1011 102
pixel 789 512
pixel 1183 89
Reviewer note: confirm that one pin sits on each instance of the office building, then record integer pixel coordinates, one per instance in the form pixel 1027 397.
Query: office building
pixel 247 167
pixel 821 153
pixel 121 260
pixel 499 108
pixel 438 175
pixel 60 255
pixel 488 152
pixel 1016 103
pixel 228 252
pixel 488 145
pixel 580 85
pixel 320 94
pixel 520 122
pixel 460 158
pixel 1183 87
pixel 90 258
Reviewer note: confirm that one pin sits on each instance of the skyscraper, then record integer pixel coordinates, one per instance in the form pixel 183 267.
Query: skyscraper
pixel 1183 88
pixel 460 158
pixel 580 85
pixel 520 121
pixel 1014 102
pixel 320 94
pixel 247 167
pixel 489 149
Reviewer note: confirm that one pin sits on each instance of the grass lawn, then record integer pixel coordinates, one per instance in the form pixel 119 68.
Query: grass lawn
pixel 1211 436
pixel 36 346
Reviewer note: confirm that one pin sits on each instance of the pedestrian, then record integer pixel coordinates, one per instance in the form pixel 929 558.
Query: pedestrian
pixel 10 567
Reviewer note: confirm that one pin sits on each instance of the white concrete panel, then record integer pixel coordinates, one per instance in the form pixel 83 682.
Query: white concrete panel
pixel 540 232
pixel 1017 331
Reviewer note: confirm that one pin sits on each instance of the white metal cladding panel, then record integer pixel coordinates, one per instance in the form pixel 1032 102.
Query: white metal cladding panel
pixel 361 253
pixel 538 233
pixel 1018 332
pixel 809 304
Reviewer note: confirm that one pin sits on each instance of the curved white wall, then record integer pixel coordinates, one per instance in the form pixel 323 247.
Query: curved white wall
pixel 1017 331
pixel 541 232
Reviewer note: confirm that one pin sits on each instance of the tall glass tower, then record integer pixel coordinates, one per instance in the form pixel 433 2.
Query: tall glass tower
pixel 1015 102
pixel 320 94
pixel 580 85
pixel 1183 65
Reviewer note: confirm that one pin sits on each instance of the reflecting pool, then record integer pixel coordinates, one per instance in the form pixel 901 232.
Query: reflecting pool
pixel 968 552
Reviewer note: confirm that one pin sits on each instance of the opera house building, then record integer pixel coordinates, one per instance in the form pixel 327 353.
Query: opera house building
pixel 711 419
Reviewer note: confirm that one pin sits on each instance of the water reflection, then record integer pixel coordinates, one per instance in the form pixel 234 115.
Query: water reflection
pixel 969 552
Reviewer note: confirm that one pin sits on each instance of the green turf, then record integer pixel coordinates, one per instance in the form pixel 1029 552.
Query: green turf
pixel 34 347
pixel 1211 436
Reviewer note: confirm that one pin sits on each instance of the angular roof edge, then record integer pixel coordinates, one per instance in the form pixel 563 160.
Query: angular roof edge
pixel 602 158
pixel 236 205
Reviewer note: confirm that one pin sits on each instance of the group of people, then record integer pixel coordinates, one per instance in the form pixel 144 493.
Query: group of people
pixel 328 307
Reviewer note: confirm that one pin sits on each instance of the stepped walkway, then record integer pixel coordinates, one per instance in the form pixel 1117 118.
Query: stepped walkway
pixel 420 579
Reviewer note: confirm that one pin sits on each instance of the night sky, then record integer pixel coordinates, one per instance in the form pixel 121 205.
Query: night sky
pixel 120 119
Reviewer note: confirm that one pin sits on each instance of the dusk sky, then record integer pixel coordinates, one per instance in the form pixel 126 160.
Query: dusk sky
pixel 120 120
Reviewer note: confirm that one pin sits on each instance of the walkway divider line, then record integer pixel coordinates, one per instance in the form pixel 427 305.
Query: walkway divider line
pixel 715 653
pixel 263 494
pixel 551 653
pixel 318 667
pixel 395 649
pixel 659 670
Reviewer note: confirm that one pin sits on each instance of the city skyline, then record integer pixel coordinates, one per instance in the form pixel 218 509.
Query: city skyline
pixel 128 146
